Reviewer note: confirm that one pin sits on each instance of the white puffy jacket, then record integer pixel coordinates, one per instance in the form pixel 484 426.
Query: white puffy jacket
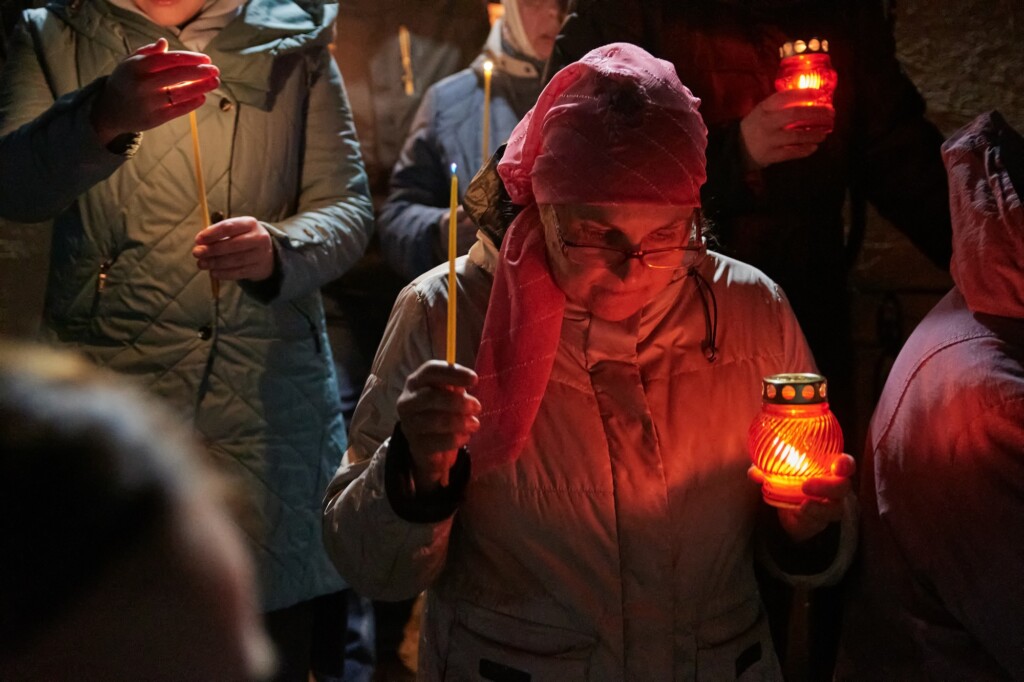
pixel 620 546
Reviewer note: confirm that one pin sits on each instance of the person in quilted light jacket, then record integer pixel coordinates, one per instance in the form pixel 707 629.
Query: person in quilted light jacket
pixel 94 138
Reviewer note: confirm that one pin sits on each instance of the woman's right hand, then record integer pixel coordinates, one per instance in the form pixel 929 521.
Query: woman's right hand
pixel 438 417
pixel 140 93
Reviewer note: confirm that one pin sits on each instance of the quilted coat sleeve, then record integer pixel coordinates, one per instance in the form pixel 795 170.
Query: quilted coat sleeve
pixel 378 553
pixel 334 221
pixel 49 152
pixel 419 192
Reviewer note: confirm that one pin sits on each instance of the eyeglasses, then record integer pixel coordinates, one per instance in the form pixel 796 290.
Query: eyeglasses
pixel 665 258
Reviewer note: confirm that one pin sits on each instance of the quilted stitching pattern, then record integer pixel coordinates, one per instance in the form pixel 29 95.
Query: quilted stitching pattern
pixel 270 412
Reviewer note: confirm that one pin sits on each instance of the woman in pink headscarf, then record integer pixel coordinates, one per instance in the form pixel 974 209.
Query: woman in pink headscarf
pixel 601 525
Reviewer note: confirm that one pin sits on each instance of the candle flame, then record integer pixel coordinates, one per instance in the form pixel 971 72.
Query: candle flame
pixel 789 456
pixel 488 66
pixel 455 167
pixel 810 81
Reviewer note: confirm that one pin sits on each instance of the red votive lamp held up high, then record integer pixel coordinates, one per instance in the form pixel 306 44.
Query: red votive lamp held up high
pixel 795 436
pixel 806 66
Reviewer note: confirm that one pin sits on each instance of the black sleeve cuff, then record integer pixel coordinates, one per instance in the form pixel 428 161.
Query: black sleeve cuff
pixel 125 144
pixel 401 491
pixel 810 557
pixel 266 290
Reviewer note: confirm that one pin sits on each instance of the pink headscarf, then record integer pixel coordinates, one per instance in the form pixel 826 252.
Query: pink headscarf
pixel 616 127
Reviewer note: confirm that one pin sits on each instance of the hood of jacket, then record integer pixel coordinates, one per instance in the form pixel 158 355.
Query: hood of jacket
pixel 985 163
pixel 244 50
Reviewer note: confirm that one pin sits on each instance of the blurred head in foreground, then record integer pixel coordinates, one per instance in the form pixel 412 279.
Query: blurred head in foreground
pixel 119 560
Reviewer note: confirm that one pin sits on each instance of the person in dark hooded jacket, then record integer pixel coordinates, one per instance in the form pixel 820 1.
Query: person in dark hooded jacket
pixel 939 594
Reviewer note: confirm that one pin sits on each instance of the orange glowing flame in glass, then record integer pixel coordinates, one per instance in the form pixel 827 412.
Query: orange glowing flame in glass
pixel 795 436
pixel 808 71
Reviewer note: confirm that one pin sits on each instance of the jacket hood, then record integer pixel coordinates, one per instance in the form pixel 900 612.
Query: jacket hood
pixel 985 163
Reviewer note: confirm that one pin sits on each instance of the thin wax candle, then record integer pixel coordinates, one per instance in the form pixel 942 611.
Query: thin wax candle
pixel 405 50
pixel 204 208
pixel 488 69
pixel 453 233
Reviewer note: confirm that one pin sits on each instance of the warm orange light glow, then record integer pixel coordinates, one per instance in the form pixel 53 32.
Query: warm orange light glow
pixel 808 71
pixel 810 81
pixel 795 436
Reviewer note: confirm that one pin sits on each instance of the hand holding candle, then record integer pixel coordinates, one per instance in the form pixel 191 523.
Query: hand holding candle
pixel 438 416
pixel 235 249
pixel 792 123
pixel 149 88
pixel 796 447
pixel 826 499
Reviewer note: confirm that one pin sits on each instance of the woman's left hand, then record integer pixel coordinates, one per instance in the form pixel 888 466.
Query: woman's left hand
pixel 236 248
pixel 825 500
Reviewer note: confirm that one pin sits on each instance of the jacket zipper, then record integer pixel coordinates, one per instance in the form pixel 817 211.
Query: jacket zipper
pixel 101 284
pixel 101 278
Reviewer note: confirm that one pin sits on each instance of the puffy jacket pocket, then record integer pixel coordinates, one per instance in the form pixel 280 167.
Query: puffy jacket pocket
pixel 487 645
pixel 749 657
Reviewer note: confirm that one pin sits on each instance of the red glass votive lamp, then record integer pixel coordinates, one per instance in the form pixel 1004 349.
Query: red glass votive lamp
pixel 795 436
pixel 807 66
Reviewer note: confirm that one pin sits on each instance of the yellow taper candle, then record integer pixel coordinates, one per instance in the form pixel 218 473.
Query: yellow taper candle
pixel 204 208
pixel 405 51
pixel 453 234
pixel 488 68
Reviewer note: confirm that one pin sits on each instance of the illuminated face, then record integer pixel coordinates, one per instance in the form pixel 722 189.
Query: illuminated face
pixel 618 291
pixel 542 20
pixel 169 12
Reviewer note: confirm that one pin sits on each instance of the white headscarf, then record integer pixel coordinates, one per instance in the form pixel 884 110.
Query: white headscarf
pixel 515 33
